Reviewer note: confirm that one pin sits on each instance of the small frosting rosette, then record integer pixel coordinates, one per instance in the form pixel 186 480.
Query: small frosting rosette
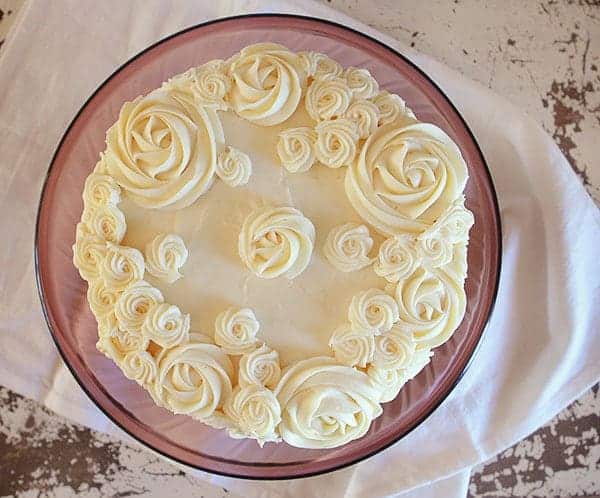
pixel 105 221
pixel 208 84
pixel 405 177
pixel 391 108
pixel 255 412
pixel 101 299
pixel 327 99
pixel 89 252
pixel 431 304
pixel 140 366
pixel 260 367
pixel 398 257
pixel 162 150
pixel 336 142
pixel 236 329
pixel 276 241
pixel 100 190
pixel 165 255
pixel 347 247
pixel 234 167
pixel 296 149
pixel 373 310
pixel 268 83
pixel 121 266
pixel 366 116
pixel 361 83
pixel 352 347
pixel 394 349
pixel 325 404
pixel 134 303
pixel 319 66
pixel 166 325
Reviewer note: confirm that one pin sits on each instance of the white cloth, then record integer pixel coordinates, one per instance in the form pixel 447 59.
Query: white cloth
pixel 541 349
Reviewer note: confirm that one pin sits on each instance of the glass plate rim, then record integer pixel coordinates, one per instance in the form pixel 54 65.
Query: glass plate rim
pixel 351 461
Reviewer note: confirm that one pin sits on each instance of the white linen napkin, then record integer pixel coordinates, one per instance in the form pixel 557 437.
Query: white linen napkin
pixel 541 349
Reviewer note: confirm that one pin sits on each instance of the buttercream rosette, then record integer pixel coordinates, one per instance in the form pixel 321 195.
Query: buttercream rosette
pixel 276 242
pixel 405 177
pixel 162 150
pixel 325 404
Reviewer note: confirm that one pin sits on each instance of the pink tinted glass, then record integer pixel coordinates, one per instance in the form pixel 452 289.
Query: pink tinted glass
pixel 63 292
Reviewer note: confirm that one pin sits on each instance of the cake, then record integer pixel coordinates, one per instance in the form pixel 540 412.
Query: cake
pixel 274 246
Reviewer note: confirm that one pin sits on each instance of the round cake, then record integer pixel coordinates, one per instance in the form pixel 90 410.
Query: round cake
pixel 274 245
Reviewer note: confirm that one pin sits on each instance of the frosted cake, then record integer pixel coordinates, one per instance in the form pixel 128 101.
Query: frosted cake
pixel 274 245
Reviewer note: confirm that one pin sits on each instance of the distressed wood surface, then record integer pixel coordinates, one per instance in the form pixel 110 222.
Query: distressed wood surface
pixel 542 55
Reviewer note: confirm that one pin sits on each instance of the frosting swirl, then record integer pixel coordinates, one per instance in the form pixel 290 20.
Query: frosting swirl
pixel 255 412
pixel 365 114
pixel 116 343
pixel 296 149
pixel 100 190
pixel 101 299
pixel 327 99
pixel 390 381
pixel 106 221
pixel 373 310
pixel 361 83
pixel 276 241
pixel 209 84
pixel 260 367
pixel 325 404
pixel 268 83
pixel 139 366
pixel 397 258
pixel 387 382
pixel 431 305
pixel 233 167
pixel 336 142
pixel 166 325
pixel 134 303
pixel 165 254
pixel 162 150
pixel 391 107
pixel 89 252
pixel 319 66
pixel 347 247
pixel 121 266
pixel 394 349
pixel 236 329
pixel 193 379
pixel 405 177
pixel 352 347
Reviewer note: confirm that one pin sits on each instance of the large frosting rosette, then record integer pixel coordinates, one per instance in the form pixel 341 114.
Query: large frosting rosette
pixel 405 177
pixel 162 150
pixel 325 404
pixel 194 379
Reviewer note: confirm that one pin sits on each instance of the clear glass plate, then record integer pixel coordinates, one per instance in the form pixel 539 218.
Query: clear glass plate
pixel 63 293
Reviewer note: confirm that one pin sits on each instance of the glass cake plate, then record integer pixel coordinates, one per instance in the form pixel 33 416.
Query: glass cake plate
pixel 63 292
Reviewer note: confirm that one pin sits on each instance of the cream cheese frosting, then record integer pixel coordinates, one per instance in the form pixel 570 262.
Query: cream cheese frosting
pixel 338 188
pixel 276 241
pixel 165 255
pixel 347 247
